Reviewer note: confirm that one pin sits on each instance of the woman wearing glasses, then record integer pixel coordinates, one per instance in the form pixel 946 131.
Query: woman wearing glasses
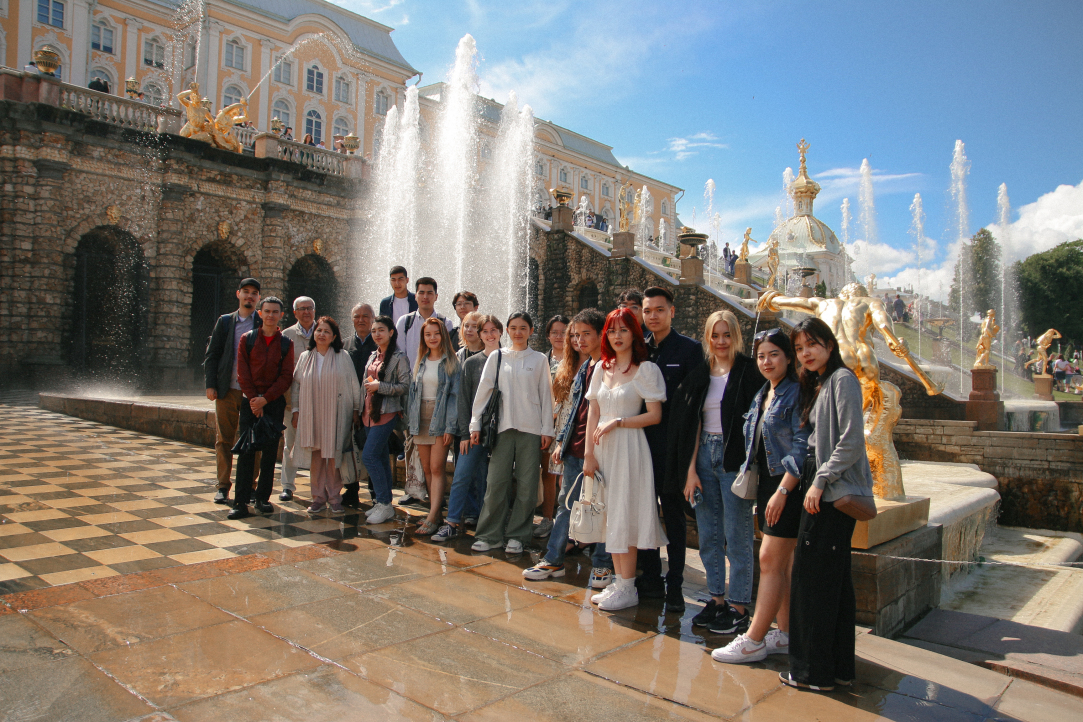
pixel 707 450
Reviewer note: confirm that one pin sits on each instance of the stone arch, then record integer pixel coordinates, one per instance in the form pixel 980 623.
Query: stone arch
pixel 312 275
pixel 111 301
pixel 216 269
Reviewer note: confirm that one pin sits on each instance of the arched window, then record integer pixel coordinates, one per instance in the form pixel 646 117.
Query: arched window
pixel 232 95
pixel 234 55
pixel 153 94
pixel 563 175
pixel 281 110
pixel 51 12
pixel 665 208
pixel 314 80
pixel 342 89
pixel 101 37
pixel 341 127
pixel 584 183
pixel 314 125
pixel 380 103
pixel 101 75
pixel 284 71
pixel 539 168
pixel 153 53
pixel 605 189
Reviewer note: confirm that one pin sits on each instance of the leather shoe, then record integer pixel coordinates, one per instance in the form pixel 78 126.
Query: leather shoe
pixel 674 599
pixel 221 497
pixel 286 495
pixel 238 512
pixel 264 507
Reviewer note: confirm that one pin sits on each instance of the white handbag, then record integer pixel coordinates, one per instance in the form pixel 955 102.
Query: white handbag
pixel 747 483
pixel 587 523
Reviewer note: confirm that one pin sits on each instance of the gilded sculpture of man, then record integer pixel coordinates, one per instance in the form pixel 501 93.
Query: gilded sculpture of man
pixel 1044 342
pixel 743 255
pixel 850 317
pixel 223 125
pixel 989 330
pixel 200 123
pixel 624 208
pixel 772 261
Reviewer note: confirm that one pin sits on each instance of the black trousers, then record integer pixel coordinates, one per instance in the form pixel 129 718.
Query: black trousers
pixel 650 560
pixel 823 608
pixel 246 462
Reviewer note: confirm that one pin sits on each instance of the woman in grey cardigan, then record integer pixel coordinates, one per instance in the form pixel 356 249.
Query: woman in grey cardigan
pixel 822 605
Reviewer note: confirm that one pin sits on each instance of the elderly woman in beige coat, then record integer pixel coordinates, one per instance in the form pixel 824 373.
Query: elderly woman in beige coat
pixel 326 401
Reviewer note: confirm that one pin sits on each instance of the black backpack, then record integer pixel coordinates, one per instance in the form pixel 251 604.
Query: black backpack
pixel 250 342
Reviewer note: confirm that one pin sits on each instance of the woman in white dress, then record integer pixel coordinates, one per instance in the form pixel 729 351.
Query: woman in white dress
pixel 617 445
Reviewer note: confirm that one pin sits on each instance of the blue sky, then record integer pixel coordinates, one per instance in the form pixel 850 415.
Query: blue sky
pixel 690 91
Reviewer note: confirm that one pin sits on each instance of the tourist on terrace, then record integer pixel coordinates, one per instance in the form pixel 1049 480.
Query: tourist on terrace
pixel 525 429
pixel 288 135
pixel 470 343
pixel 326 407
pixel 556 332
pixel 569 449
pixel 308 139
pixel 632 299
pixel 300 333
pixel 464 302
pixel 387 378
pixel 676 355
pixel 432 412
pixel 823 608
pixel 223 387
pixel 616 446
pixel 265 372
pixel 99 85
pixel 899 306
pixel 472 467
pixel 706 451
pixel 1060 372
pixel 401 301
pixel 776 442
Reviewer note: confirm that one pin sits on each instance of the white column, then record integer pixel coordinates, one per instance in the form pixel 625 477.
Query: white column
pixel 131 51
pixel 266 57
pixel 80 42
pixel 210 88
pixel 26 24
pixel 360 83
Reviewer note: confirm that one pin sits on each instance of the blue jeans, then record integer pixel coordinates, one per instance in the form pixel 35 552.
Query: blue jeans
pixel 558 538
pixel 377 459
pixel 725 526
pixel 468 484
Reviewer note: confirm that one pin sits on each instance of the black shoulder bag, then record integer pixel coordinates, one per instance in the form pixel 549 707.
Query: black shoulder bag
pixel 490 416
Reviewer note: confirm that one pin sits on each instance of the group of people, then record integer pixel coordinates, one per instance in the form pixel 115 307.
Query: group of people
pixel 729 260
pixel 665 423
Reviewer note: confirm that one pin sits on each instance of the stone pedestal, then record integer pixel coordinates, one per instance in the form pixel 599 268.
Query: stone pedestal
pixel 892 520
pixel 984 405
pixel 691 271
pixel 1043 387
pixel 891 593
pixel 624 244
pixel 806 291
pixel 563 219
pixel 742 272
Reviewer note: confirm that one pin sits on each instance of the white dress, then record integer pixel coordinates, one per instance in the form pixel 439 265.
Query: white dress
pixel 624 458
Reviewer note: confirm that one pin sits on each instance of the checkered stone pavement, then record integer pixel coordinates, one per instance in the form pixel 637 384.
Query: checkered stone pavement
pixel 81 500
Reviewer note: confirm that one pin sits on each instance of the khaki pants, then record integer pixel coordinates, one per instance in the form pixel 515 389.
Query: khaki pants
pixel 227 411
pixel 514 464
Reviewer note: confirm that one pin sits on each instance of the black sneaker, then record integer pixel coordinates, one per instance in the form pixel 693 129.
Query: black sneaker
pixel 707 614
pixel 286 495
pixel 221 497
pixel 730 621
pixel 675 599
pixel 650 588
pixel 238 512
pixel 264 507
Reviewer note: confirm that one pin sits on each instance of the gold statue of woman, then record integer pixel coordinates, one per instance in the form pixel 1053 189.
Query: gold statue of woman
pixel 989 330
pixel 743 255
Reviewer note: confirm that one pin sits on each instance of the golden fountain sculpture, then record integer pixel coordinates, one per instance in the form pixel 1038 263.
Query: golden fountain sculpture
pixel 989 330
pixel 743 255
pixel 624 207
pixel 216 130
pixel 772 261
pixel 850 316
pixel 1044 342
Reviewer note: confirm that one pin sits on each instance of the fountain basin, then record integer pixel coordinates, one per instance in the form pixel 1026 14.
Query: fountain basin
pixel 1032 415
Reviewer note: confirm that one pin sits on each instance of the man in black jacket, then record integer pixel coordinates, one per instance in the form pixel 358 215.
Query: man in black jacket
pixel 402 301
pixel 675 355
pixel 220 374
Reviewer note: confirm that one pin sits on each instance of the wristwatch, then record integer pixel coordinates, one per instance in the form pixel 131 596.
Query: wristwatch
pixel 783 490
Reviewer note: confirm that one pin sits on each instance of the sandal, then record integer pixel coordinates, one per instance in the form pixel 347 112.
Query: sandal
pixel 426 528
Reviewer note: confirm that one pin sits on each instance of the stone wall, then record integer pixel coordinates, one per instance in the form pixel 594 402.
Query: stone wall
pixel 1040 475
pixel 190 425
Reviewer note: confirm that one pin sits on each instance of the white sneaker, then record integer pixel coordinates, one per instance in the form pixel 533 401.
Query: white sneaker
pixel 777 641
pixel 623 596
pixel 514 547
pixel 482 546
pixel 600 578
pixel 741 650
pixel 381 513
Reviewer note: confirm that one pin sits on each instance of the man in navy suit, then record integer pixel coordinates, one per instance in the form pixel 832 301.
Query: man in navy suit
pixel 402 301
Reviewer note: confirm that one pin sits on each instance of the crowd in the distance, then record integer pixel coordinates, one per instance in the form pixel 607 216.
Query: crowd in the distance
pixel 769 431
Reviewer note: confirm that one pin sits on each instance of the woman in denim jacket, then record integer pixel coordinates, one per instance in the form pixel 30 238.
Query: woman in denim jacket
pixel 777 442
pixel 432 411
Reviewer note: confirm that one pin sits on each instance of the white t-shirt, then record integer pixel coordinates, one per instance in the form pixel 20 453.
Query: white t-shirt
pixel 430 381
pixel 1060 365
pixel 399 307
pixel 712 407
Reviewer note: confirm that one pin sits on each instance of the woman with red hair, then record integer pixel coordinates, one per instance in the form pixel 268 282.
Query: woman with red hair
pixel 616 444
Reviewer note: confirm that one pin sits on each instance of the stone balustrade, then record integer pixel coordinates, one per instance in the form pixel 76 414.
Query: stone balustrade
pixel 115 110
pixel 247 136
pixel 269 145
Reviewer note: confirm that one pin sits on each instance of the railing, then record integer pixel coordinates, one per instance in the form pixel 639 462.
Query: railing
pixel 115 110
pixel 247 136
pixel 318 159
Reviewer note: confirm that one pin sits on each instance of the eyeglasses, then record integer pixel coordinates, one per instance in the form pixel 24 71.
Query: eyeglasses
pixel 765 335
pixel 305 308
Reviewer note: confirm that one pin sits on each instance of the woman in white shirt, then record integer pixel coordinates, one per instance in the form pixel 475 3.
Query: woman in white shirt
pixel 525 429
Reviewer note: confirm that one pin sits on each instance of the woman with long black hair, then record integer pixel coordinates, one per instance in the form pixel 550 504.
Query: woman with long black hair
pixel 823 608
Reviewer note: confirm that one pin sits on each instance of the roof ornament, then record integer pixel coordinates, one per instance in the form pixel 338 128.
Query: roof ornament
pixel 802 148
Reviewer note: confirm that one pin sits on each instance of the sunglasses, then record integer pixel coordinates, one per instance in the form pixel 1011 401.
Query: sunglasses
pixel 768 334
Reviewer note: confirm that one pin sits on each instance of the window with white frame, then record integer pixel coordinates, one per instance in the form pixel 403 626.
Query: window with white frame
pixel 314 125
pixel 51 12
pixel 284 71
pixel 665 208
pixel 380 103
pixel 234 55
pixel 563 175
pixel 101 37
pixel 154 53
pixel 342 127
pixel 342 89
pixel 153 94
pixel 231 95
pixel 539 168
pixel 314 80
pixel 605 189
pixel 584 183
pixel 281 110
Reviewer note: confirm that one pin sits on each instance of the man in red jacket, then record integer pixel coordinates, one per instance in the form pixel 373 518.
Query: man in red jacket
pixel 265 372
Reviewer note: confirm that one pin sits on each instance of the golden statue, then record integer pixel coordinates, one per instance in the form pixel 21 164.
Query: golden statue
pixel 200 123
pixel 743 255
pixel 772 262
pixel 989 330
pixel 1044 342
pixel 850 316
pixel 637 209
pixel 624 207
pixel 222 131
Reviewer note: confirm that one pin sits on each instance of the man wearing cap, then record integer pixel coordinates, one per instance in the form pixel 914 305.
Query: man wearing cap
pixel 223 387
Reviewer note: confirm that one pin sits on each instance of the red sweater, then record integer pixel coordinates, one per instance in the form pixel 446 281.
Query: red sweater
pixel 265 371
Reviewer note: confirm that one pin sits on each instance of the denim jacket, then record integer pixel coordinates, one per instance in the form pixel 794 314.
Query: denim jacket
pixel 784 439
pixel 445 417
pixel 576 394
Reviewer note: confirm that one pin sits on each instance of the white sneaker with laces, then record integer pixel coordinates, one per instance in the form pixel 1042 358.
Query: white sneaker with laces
pixel 381 513
pixel 482 546
pixel 514 546
pixel 597 598
pixel 624 595
pixel 740 651
pixel 777 641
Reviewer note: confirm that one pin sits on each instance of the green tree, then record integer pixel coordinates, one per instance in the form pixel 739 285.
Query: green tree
pixel 1051 291
pixel 983 285
pixel 821 290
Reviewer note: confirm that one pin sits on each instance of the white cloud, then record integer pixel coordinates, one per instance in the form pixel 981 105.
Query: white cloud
pixel 1054 218
pixel 839 183
pixel 878 258
pixel 368 7
pixel 683 148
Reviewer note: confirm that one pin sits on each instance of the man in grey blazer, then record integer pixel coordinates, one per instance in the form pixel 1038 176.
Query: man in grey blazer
pixel 220 374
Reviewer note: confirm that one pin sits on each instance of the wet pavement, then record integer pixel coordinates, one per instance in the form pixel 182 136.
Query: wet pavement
pixel 355 627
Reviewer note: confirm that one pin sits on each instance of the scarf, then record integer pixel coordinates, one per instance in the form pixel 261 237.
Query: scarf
pixel 317 422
